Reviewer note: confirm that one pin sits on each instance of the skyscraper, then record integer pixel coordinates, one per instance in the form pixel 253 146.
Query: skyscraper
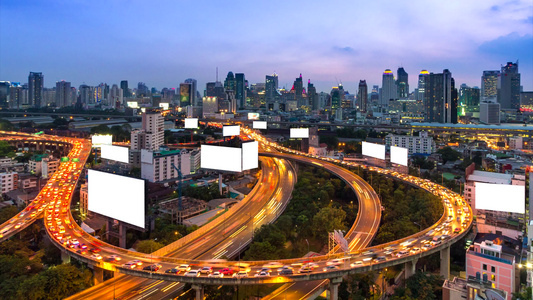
pixel 125 90
pixel 489 85
pixel 271 87
pixel 337 95
pixel 439 99
pixel 85 95
pixel 192 82
pixel 362 95
pixel 312 96
pixel 185 94
pixel 402 84
pixel 388 89
pixel 298 87
pixel 240 90
pixel 229 83
pixel 16 96
pixel 63 96
pixel 4 93
pixel 142 90
pixel 469 97
pixel 116 96
pixel 422 84
pixel 35 89
pixel 509 86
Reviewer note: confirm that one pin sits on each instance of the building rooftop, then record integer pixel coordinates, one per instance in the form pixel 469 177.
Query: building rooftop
pixel 475 126
pixel 39 157
pixel 490 177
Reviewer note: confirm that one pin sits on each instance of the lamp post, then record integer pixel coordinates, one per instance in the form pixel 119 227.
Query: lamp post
pixel 307 254
pixel 151 258
pixel 419 226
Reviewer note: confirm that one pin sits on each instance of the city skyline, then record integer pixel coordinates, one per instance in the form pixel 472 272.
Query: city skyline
pixel 105 44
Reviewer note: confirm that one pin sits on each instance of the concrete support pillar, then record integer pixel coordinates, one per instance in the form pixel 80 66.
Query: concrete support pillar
pixel 334 288
pixel 445 262
pixel 122 235
pixel 109 225
pixel 65 258
pixel 98 274
pixel 199 291
pixel 410 268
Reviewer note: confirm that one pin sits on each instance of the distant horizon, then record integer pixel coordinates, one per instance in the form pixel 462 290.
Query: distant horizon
pixel 164 43
pixel 350 86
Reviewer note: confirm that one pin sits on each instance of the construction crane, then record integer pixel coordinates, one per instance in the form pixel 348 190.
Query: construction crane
pixel 179 186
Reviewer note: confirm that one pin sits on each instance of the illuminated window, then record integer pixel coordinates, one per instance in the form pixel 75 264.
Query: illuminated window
pixel 493 277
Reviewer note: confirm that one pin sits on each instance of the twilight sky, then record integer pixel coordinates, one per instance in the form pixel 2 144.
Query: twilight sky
pixel 163 42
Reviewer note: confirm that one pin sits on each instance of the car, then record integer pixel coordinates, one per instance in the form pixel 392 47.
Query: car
pixel 241 274
pixel 262 274
pixel 330 268
pixel 206 270
pixel 193 273
pixel 81 251
pixel 82 246
pixel 402 253
pixel 216 274
pixel 305 269
pixel 94 250
pixel 113 257
pixel 356 264
pixel 273 265
pixel 227 271
pixel 129 265
pixel 184 268
pixel 18 225
pixel 172 271
pixel 415 250
pixel 426 246
pixel 74 242
pixel 334 262
pixel 96 256
pixel 380 259
pixel 152 267
pixel 137 262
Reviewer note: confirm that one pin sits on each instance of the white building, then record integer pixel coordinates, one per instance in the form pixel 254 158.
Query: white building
pixel 150 137
pixel 210 107
pixel 44 164
pixel 489 112
pixel 8 181
pixel 156 166
pixel 6 162
pixel 416 144
pixel 516 142
pixel 195 161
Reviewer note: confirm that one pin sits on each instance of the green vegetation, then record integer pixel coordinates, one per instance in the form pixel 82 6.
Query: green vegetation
pixel 206 193
pixel 148 246
pixel 422 286
pixel 7 213
pixel 5 125
pixel 448 154
pixel 524 294
pixel 350 133
pixel 24 274
pixel 320 203
pixel 121 133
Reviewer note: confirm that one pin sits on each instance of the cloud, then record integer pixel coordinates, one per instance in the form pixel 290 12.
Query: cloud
pixel 512 46
pixel 495 8
pixel 348 50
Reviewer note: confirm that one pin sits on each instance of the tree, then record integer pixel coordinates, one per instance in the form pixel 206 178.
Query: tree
pixel 523 295
pixel 448 154
pixel 261 251
pixel 7 213
pixel 148 246
pixel 327 220
pixel 421 285
pixel 5 125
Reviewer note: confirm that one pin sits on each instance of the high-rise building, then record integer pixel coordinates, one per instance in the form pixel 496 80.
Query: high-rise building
pixel 469 97
pixel 402 83
pixel 489 85
pixel 298 87
pixel 388 89
pixel 193 83
pixel 142 90
pixel 337 96
pixel 509 86
pixel 439 100
pixel 63 96
pixel 423 143
pixel 240 90
pixel 125 90
pixel 229 83
pixel 151 136
pixel 362 95
pixel 35 89
pixel 374 95
pixel 209 106
pixel 15 96
pixel 526 101
pixel 312 96
pixel 116 96
pixel 489 112
pixel 86 95
pixel 185 94
pixel 157 166
pixel 422 85
pixel 4 93
pixel 271 87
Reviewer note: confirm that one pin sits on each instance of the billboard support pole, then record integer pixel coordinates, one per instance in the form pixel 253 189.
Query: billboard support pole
pixel 179 187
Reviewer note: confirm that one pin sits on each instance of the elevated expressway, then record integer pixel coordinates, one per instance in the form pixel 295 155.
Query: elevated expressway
pixel 362 261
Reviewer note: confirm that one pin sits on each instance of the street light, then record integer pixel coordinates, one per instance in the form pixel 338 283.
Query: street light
pixel 307 254
pixel 419 226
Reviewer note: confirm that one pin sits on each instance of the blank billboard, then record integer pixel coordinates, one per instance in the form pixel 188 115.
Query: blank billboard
pixel 99 140
pixel 374 150
pixel 260 125
pixel 250 155
pixel 399 155
pixel 501 197
pixel 221 158
pixel 191 123
pixel 116 153
pixel 117 197
pixel 231 130
pixel 299 133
